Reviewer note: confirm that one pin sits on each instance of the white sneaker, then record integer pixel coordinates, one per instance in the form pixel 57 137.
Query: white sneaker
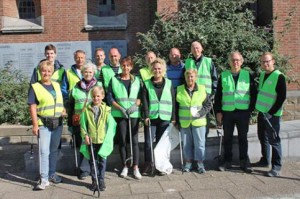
pixel 124 172
pixel 137 174
pixel 42 185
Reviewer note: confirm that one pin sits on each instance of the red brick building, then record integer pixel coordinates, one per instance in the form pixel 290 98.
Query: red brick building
pixel 25 21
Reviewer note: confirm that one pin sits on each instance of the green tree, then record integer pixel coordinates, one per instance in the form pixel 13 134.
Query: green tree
pixel 221 26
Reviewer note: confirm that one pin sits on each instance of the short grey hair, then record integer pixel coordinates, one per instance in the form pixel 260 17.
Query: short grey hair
pixel 88 65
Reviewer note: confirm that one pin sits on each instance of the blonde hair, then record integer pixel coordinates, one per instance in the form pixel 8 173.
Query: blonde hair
pixel 190 71
pixel 267 53
pixel 46 64
pixel 98 89
pixel 162 63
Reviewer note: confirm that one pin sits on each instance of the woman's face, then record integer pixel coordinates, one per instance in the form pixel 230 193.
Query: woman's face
pixel 88 74
pixel 126 67
pixel 190 79
pixel 46 73
pixel 157 70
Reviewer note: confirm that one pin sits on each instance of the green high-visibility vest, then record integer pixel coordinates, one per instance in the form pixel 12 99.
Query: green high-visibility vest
pixel 108 73
pixel 186 102
pixel 204 76
pixel 267 93
pixel 101 132
pixel 235 96
pixel 122 98
pixel 56 76
pixel 81 97
pixel 48 106
pixel 160 108
pixel 72 79
pixel 146 73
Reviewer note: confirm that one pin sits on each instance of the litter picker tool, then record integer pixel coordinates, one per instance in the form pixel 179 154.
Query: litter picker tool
pixel 270 125
pixel 130 143
pixel 220 134
pixel 181 157
pixel 75 154
pixel 152 153
pixel 95 169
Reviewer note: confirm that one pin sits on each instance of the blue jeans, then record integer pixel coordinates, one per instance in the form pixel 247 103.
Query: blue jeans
pixel 267 139
pixel 49 142
pixel 240 119
pixel 193 139
pixel 158 127
pixel 100 163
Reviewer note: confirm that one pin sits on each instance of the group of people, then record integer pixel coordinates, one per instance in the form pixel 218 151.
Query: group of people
pixel 106 103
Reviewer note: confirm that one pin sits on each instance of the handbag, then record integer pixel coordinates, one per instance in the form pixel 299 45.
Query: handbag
pixel 76 117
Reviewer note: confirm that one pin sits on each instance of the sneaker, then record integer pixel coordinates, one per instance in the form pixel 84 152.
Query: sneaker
pixel 42 185
pixel 124 172
pixel 102 186
pixel 187 167
pixel 55 179
pixel 83 175
pixel 200 168
pixel 225 166
pixel 147 170
pixel 260 163
pixel 245 166
pixel 273 173
pixel 137 174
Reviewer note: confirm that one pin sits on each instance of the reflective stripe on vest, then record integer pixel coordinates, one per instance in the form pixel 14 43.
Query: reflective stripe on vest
pixel 204 76
pixel 72 78
pixel 47 107
pixel 108 73
pixel 185 104
pixel 146 73
pixel 235 96
pixel 163 108
pixel 80 96
pixel 267 93
pixel 121 96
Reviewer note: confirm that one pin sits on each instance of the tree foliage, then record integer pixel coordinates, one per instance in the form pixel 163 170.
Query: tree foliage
pixel 13 96
pixel 221 26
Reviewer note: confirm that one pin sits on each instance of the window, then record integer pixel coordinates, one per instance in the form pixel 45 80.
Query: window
pixel 26 9
pixel 107 8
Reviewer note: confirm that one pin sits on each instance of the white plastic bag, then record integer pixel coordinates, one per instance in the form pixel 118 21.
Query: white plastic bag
pixel 168 141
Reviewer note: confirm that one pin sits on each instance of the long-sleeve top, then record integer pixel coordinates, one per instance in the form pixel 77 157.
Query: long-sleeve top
pixel 281 93
pixel 213 74
pixel 158 87
pixel 219 93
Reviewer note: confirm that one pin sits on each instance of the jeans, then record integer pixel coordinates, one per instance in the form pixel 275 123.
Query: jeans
pixel 267 138
pixel 240 119
pixel 158 127
pixel 100 163
pixel 193 139
pixel 83 162
pixel 48 144
pixel 123 137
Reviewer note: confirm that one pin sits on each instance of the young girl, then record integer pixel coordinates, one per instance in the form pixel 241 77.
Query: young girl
pixel 98 126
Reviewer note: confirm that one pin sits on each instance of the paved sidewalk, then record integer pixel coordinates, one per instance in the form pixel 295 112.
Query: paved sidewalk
pixel 16 183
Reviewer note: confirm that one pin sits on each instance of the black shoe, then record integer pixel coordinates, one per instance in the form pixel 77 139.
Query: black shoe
pixel 245 166
pixel 148 170
pixel 225 166
pixel 83 175
pixel 102 186
pixel 260 163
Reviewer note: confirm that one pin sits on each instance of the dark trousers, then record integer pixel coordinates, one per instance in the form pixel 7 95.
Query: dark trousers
pixel 83 162
pixel 100 163
pixel 123 139
pixel 158 127
pixel 240 119
pixel 267 138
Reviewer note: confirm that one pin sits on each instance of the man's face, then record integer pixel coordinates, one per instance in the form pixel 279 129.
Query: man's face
pixel 236 62
pixel 174 55
pixel 79 59
pixel 114 57
pixel 100 57
pixel 50 55
pixel 267 63
pixel 150 57
pixel 196 49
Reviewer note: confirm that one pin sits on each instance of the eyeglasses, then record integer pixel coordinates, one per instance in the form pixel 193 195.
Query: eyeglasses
pixel 233 60
pixel 266 61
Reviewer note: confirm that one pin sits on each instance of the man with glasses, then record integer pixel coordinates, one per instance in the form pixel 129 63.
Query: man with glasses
pixel 270 99
pixel 234 102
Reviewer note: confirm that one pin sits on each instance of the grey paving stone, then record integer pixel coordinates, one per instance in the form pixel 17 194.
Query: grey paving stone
pixel 207 194
pixel 175 186
pixel 245 192
pixel 145 187
pixel 168 195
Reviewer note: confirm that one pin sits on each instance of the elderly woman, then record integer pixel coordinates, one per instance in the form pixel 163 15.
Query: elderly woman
pixel 124 95
pixel 78 99
pixel 158 104
pixel 46 110
pixel 194 104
